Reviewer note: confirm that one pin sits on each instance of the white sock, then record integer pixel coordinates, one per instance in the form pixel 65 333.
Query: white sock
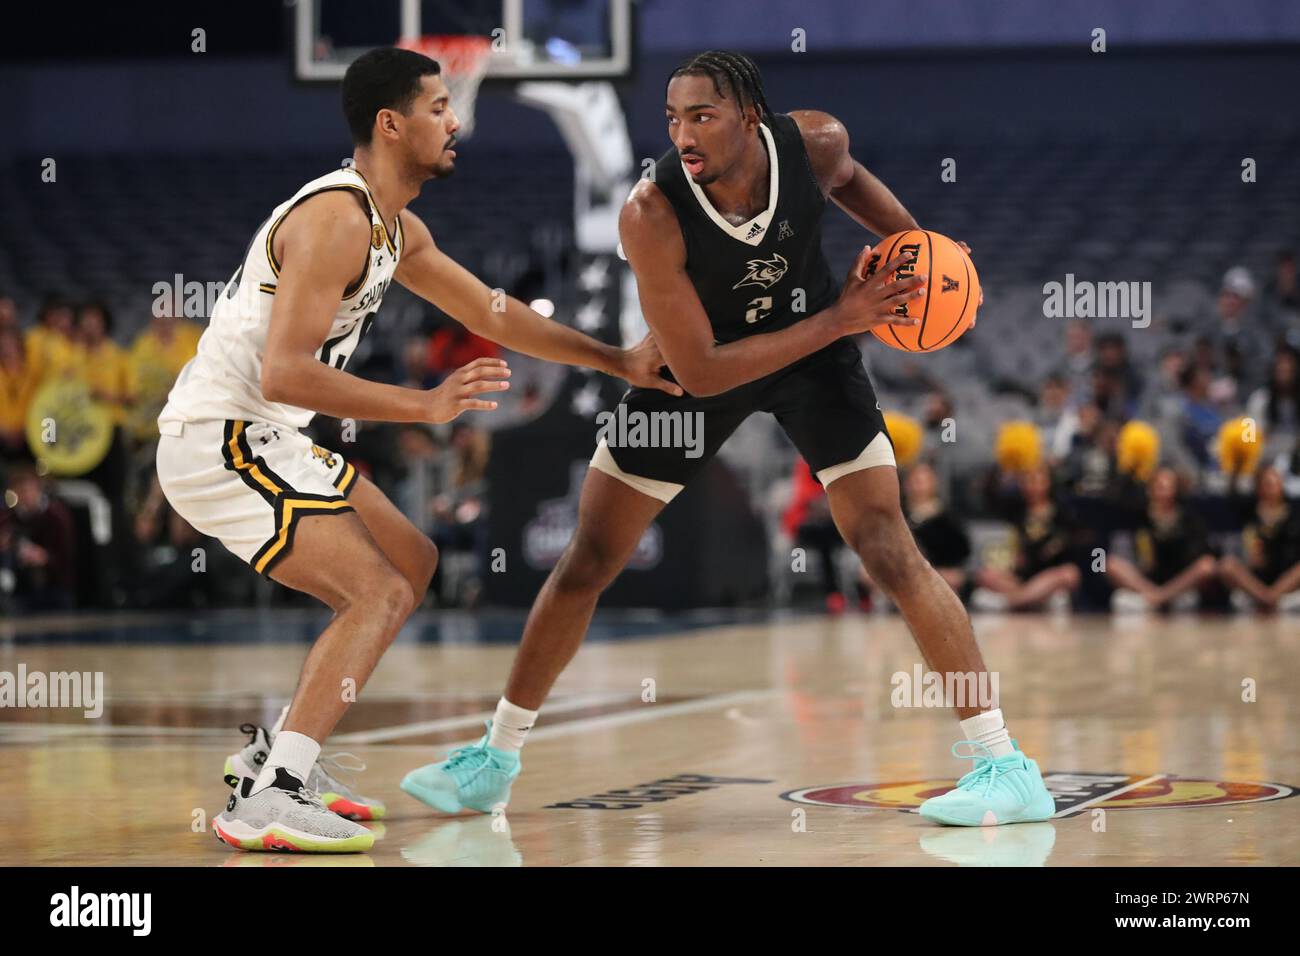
pixel 989 730
pixel 279 722
pixel 510 725
pixel 294 752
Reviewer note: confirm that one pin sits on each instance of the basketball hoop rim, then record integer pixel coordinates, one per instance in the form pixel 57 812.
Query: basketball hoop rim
pixel 458 54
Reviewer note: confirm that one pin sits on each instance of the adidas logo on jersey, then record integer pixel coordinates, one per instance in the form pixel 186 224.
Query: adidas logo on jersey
pixel 754 230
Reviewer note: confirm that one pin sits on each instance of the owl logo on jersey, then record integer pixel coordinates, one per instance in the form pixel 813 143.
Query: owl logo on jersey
pixel 764 273
pixel 324 454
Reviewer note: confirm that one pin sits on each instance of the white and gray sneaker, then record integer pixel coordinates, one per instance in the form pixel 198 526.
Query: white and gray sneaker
pixel 1124 601
pixel 340 797
pixel 1289 603
pixel 286 815
pixel 985 599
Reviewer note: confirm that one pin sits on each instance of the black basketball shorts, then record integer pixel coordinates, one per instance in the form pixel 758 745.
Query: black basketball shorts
pixel 656 442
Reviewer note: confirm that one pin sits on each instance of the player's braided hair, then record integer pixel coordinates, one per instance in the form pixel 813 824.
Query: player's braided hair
pixel 736 70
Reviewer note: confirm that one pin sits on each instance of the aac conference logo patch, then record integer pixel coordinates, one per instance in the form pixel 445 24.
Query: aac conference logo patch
pixel 1073 793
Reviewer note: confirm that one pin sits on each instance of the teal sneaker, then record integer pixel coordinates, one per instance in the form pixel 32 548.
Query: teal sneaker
pixel 471 778
pixel 999 790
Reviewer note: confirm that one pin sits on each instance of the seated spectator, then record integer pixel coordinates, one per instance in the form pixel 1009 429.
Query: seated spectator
pixel 1055 418
pixel 1112 358
pixel 1241 337
pixel 807 521
pixel 1269 576
pixel 415 369
pixel 156 357
pixel 1089 466
pixel 1171 549
pixel 1276 406
pixel 460 525
pixel 939 534
pixel 51 346
pixel 1108 394
pixel 426 467
pixel 18 383
pixel 100 362
pixel 1044 559
pixel 37 540
pixel 1076 367
pixel 1199 419
pixel 1162 399
pixel 1284 295
pixel 8 315
pixel 102 366
pixel 164 555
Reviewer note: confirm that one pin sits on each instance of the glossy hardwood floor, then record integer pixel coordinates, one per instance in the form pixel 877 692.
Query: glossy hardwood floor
pixel 768 743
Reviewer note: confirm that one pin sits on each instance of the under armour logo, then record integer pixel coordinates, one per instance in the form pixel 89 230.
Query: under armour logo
pixel 949 285
pixel 784 232
pixel 754 230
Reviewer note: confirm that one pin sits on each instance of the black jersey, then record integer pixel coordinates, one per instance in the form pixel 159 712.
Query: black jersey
pixel 769 272
pixel 1167 546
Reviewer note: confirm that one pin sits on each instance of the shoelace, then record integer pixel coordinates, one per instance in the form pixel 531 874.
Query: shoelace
pixel 985 773
pixel 346 770
pixel 463 755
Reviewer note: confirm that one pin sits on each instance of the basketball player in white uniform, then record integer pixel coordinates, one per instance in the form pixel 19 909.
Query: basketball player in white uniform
pixel 234 463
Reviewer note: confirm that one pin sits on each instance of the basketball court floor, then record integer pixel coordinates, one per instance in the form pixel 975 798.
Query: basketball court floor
pixel 723 739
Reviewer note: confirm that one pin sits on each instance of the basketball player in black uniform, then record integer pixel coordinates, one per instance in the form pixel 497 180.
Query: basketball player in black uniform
pixel 725 243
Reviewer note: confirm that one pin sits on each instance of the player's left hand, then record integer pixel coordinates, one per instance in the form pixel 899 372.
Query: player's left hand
pixel 966 249
pixel 640 366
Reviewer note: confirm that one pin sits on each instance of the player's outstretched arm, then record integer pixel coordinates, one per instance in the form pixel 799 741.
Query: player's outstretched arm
pixel 431 274
pixel 322 245
pixel 653 244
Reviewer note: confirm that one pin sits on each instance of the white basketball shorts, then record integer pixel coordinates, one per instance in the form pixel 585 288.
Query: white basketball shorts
pixel 248 483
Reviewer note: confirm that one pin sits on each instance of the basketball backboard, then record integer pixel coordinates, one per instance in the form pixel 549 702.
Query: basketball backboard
pixel 532 39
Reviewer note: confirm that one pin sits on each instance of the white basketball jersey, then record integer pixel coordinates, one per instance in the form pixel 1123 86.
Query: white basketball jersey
pixel 223 380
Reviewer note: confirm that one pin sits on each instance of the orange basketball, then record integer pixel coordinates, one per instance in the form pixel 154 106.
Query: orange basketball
pixel 952 292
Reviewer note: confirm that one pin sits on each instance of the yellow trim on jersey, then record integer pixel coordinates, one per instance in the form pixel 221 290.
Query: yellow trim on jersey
pixel 287 522
pixel 270 233
pixel 266 287
pixel 237 457
pixel 388 238
pixel 346 477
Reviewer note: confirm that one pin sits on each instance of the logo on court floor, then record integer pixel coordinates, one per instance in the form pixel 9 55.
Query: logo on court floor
pixel 656 791
pixel 1073 792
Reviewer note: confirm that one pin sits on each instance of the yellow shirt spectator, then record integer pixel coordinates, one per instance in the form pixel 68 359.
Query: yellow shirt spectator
pixel 18 381
pixel 157 357
pixel 50 352
pixel 106 370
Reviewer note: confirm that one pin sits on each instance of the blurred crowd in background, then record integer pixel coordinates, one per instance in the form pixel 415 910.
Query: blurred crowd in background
pixel 1124 487
pixel 106 537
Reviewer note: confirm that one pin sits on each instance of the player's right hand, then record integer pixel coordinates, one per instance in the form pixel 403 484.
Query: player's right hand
pixel 460 390
pixel 868 302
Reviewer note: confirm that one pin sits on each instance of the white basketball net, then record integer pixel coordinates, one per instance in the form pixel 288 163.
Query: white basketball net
pixel 464 61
